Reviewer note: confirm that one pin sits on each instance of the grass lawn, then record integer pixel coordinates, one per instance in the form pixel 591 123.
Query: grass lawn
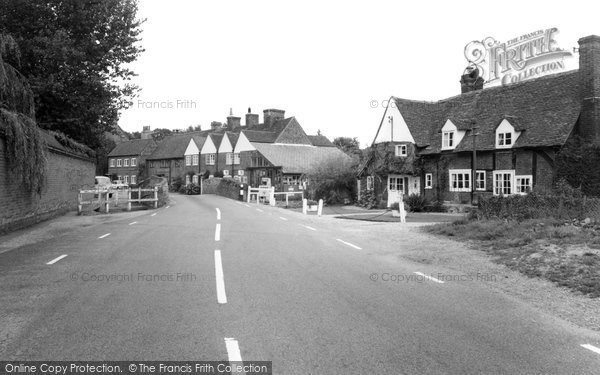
pixel 567 254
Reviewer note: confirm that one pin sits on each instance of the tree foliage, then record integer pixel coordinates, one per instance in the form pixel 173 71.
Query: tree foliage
pixel 577 163
pixel 333 180
pixel 74 54
pixel 350 146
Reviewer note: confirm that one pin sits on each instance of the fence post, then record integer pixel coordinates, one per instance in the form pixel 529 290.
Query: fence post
pixel 139 194
pixel 304 206
pixel 320 209
pixel 272 196
pixel 287 199
pixel 249 193
pixel 79 199
pixel 107 201
pixel 129 200
pixel 402 211
pixel 156 197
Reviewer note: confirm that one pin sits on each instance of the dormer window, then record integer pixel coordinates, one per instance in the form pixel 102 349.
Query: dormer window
pixel 401 150
pixel 448 140
pixel 504 139
pixel 506 135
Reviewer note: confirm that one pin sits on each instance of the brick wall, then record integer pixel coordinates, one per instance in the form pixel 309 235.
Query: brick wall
pixel 66 175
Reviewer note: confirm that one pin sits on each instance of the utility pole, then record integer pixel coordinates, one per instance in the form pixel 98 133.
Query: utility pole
pixel 474 171
pixel 391 121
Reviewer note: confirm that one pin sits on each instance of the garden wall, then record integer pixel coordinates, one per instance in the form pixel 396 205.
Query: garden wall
pixel 225 187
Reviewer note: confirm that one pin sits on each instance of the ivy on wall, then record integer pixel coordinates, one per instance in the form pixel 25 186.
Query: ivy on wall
pixel 577 163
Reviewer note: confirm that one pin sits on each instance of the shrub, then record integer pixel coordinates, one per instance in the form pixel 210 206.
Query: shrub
pixel 333 180
pixel 416 202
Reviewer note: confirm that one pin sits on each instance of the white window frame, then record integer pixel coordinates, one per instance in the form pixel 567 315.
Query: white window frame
pixel 502 138
pixel 393 186
pixel 195 159
pixel 133 179
pixel 188 160
pixel 448 140
pixel 126 162
pixel 134 162
pixel 210 159
pixel 119 178
pixel 187 179
pixel 428 180
pixel 118 162
pixel 229 158
pixel 226 173
pixel 477 180
pixel 511 180
pixel 111 163
pixel 519 185
pixel 369 183
pixel 195 179
pixel 461 182
pixel 240 172
pixel 236 158
pixel 401 150
pixel 126 179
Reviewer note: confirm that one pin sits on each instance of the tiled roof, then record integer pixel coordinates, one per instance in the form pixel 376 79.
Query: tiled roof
pixel 132 147
pixel 544 109
pixel 233 137
pixel 276 127
pixel 260 136
pixel 297 159
pixel 320 141
pixel 171 147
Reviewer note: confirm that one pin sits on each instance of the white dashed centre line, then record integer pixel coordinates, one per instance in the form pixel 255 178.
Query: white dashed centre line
pixel 133 222
pixel 283 218
pixel 233 349
pixel 430 278
pixel 104 235
pixel 349 244
pixel 259 210
pixel 57 259
pixel 154 214
pixel 592 348
pixel 307 227
pixel 221 296
pixel 218 214
pixel 218 232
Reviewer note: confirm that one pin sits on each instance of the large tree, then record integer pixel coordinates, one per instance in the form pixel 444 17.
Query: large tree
pixel 74 54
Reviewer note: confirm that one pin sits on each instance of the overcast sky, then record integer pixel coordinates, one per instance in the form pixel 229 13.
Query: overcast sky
pixel 322 62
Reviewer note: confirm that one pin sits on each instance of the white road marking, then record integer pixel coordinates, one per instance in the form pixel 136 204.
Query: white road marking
pixel 218 233
pixel 283 218
pixel 259 210
pixel 133 222
pixel 247 205
pixel 154 214
pixel 57 259
pixel 592 348
pixel 349 244
pixel 218 214
pixel 307 227
pixel 104 235
pixel 221 296
pixel 430 278
pixel 167 207
pixel 233 349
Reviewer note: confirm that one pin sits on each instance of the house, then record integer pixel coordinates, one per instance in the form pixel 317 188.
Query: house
pixel 192 168
pixel 227 159
pixel 487 141
pixel 126 162
pixel 169 158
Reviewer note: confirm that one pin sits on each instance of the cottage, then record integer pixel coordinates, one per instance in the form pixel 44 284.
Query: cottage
pixel 126 162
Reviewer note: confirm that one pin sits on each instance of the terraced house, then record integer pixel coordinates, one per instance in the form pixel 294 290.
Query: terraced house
pixel 127 160
pixel 493 141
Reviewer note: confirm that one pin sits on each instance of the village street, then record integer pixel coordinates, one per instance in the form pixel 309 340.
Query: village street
pixel 313 296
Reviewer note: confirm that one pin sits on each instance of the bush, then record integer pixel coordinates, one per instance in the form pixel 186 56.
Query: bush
pixel 332 180
pixel 416 202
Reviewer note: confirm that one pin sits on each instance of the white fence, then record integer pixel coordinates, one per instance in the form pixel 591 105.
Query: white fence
pixel 107 197
pixel 268 195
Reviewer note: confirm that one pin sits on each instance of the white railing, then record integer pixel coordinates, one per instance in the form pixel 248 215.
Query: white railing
pixel 287 195
pixel 106 197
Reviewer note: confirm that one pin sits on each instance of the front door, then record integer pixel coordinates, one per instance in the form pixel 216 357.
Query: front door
pixel 396 189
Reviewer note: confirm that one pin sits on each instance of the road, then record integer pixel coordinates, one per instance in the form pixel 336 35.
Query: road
pixel 210 278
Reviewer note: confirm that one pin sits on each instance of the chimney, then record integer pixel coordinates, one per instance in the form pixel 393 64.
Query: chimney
pixel 146 133
pixel 470 80
pixel 215 125
pixel 272 115
pixel 589 81
pixel 251 119
pixel 232 121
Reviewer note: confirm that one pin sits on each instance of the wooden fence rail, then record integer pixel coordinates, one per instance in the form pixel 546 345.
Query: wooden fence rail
pixel 106 197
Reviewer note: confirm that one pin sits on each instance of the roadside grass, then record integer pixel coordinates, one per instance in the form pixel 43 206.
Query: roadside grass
pixel 567 254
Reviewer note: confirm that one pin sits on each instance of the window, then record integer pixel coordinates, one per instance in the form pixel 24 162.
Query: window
pixel 241 172
pixel 126 178
pixel 187 179
pixel 188 160
pixel 503 182
pixel 523 184
pixel 396 184
pixel 369 183
pixel 504 139
pixel 210 159
pixel 428 181
pixel 164 164
pixel 229 158
pixel 236 159
pixel 448 140
pixel 401 150
pixel 195 159
pixel 195 179
pixel 480 180
pixel 118 162
pixel 460 180
pixel 112 163
pixel 126 162
pixel 226 173
pixel 120 178
pixel 133 179
pixel 291 179
pixel 133 162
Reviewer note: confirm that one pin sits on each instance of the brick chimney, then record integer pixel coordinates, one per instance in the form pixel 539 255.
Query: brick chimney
pixel 146 133
pixel 470 80
pixel 589 80
pixel 251 119
pixel 215 125
pixel 272 115
pixel 232 121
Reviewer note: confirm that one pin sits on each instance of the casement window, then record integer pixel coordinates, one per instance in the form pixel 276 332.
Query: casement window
pixel 226 173
pixel 195 159
pixel 369 183
pixel 241 172
pixel 396 184
pixel 111 163
pixel 134 162
pixel 401 150
pixel 118 162
pixel 126 162
pixel 428 181
pixel 480 180
pixel 447 140
pixel 195 179
pixel 523 184
pixel 460 180
pixel 210 159
pixel 164 163
pixel 229 158
pixel 504 139
pixel 187 179
pixel 126 179
pixel 236 158
pixel 119 178
pixel 503 182
pixel 133 179
pixel 188 160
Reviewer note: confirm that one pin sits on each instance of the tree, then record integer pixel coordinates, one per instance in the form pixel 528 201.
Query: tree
pixel 333 180
pixel 74 55
pixel 161 133
pixel 350 146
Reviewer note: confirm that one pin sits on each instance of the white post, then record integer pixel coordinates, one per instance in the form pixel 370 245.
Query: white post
pixel 304 206
pixel 129 200
pixel 249 193
pixel 320 209
pixel 139 194
pixel 402 212
pixel 156 197
pixel 79 199
pixel 201 187
pixel 287 199
pixel 107 201
pixel 272 196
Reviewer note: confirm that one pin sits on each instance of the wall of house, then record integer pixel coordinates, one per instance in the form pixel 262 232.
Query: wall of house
pixel 173 169
pixel 66 175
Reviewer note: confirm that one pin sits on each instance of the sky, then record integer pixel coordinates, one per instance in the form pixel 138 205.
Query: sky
pixel 332 64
